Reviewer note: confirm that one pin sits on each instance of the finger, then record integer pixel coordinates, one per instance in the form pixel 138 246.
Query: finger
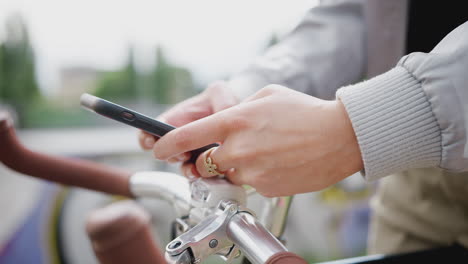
pixel 194 171
pixel 221 97
pixel 146 140
pixel 234 176
pixel 172 160
pixel 186 111
pixel 185 169
pixel 265 91
pixel 179 158
pixel 219 160
pixel 194 135
pixel 188 171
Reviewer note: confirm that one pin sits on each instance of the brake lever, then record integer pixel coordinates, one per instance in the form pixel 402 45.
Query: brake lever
pixel 208 210
pixel 183 258
pixel 207 238
pixel 203 232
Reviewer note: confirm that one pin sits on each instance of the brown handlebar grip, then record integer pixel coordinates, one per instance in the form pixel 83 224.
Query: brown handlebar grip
pixel 63 170
pixel 120 234
pixel 286 258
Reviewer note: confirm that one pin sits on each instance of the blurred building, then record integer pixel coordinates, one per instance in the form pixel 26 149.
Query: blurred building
pixel 76 80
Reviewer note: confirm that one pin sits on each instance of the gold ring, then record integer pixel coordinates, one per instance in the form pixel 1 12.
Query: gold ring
pixel 210 166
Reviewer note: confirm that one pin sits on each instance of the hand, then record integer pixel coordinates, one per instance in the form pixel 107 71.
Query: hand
pixel 279 141
pixel 213 99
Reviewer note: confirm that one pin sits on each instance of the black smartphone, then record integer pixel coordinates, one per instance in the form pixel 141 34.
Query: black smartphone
pixel 133 118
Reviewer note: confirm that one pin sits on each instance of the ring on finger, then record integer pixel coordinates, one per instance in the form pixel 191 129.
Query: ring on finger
pixel 210 166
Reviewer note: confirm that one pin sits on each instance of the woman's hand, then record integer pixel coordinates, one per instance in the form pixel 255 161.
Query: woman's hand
pixel 279 141
pixel 213 99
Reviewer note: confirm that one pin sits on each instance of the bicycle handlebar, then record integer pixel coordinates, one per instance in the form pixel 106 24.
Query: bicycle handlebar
pixel 244 230
pixel 68 171
pixel 257 243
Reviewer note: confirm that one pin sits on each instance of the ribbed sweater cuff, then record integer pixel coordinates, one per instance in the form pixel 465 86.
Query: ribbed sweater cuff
pixel 394 123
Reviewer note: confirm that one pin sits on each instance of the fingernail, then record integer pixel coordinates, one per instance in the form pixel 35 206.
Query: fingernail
pixel 149 142
pixel 183 157
pixel 187 172
pixel 191 177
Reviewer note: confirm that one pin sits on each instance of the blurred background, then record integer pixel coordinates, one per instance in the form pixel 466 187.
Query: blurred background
pixel 147 55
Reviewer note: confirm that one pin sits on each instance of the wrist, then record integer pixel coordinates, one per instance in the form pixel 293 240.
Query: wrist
pixel 352 159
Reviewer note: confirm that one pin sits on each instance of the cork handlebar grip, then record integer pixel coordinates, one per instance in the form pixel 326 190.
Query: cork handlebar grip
pixel 286 258
pixel 63 170
pixel 120 233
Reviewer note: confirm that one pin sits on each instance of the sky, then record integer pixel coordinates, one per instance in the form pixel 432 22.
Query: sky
pixel 213 38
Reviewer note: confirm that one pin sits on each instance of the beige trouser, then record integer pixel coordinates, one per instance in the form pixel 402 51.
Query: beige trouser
pixel 419 209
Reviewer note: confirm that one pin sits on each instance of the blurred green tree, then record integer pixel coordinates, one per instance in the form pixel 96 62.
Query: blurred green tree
pixel 18 85
pixel 121 84
pixel 165 83
pixel 169 83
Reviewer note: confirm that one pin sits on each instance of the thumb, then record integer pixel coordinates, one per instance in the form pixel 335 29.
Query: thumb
pixel 187 111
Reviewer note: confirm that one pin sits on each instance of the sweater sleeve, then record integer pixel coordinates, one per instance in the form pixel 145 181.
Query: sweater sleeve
pixel 315 57
pixel 416 114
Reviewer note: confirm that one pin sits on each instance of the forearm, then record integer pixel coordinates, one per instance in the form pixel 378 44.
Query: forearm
pixel 415 115
pixel 324 52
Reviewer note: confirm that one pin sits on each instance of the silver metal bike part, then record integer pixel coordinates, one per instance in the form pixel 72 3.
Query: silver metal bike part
pixel 183 258
pixel 254 240
pixel 210 221
pixel 209 192
pixel 206 195
pixel 207 238
pixel 275 214
pixel 163 185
